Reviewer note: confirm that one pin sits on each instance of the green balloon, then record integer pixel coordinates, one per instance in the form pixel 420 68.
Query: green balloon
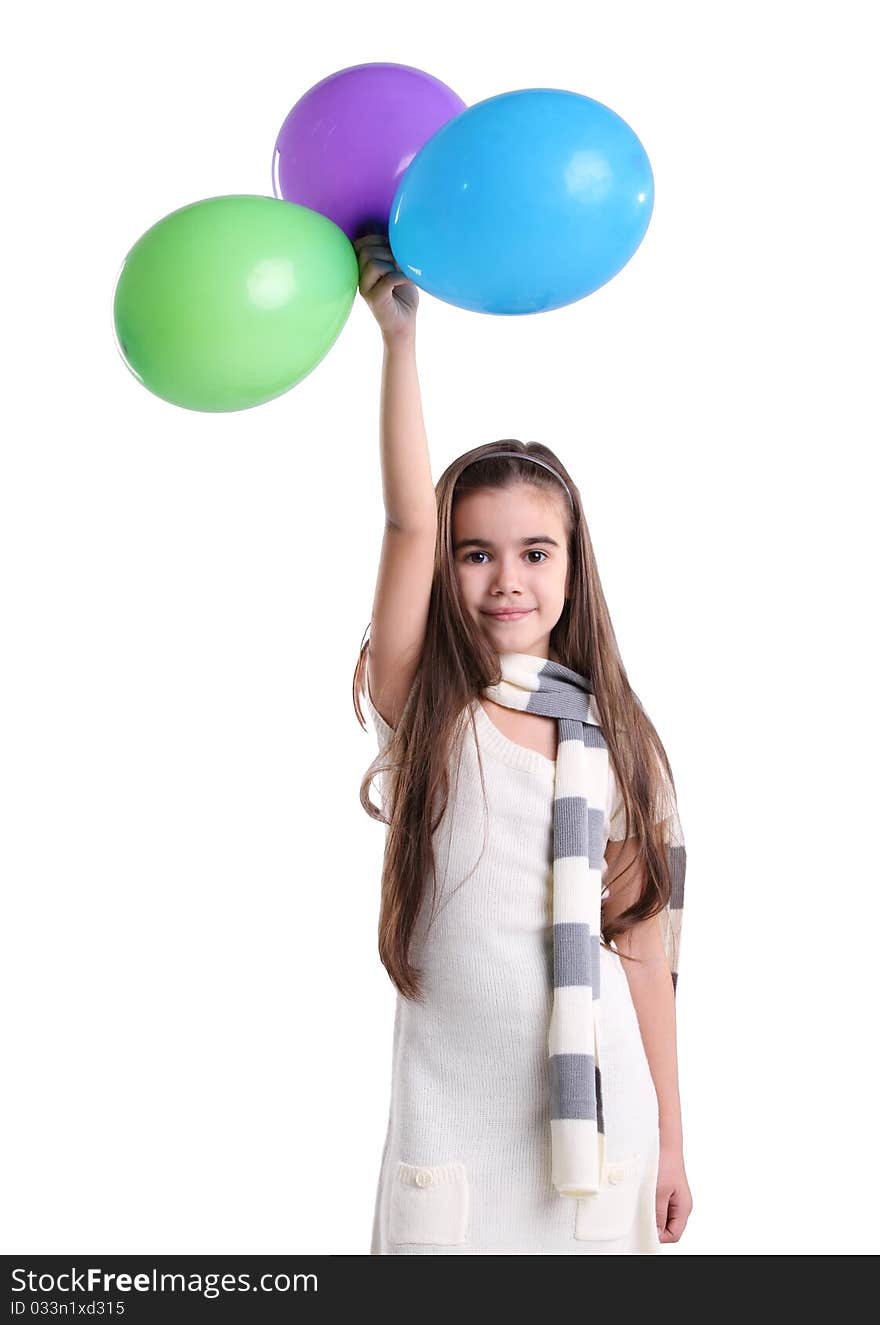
pixel 227 303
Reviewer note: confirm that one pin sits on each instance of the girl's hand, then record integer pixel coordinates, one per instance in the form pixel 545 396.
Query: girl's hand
pixel 673 1201
pixel 393 298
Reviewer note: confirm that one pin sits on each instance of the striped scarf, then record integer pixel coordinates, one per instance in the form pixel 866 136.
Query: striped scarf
pixel 538 685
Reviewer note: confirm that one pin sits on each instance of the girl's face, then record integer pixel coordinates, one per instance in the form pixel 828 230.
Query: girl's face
pixel 511 552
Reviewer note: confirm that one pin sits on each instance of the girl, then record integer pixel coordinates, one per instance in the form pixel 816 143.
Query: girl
pixel 534 865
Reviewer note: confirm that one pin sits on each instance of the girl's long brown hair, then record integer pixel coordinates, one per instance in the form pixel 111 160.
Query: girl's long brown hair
pixel 456 664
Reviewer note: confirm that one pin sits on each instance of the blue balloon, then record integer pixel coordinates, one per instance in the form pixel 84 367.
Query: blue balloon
pixel 524 202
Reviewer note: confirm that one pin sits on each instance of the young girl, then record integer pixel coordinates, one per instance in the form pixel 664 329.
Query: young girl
pixel 532 824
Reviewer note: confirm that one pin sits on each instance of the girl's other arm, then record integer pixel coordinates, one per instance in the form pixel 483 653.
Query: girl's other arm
pixel 650 985
pixel 406 563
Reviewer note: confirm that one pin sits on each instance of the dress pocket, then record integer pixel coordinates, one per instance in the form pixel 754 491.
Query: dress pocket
pixel 429 1203
pixel 610 1212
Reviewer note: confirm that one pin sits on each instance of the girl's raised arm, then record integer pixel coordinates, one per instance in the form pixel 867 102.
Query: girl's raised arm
pixel 406 563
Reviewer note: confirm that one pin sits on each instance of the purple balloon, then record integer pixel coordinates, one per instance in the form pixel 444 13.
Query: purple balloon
pixel 346 144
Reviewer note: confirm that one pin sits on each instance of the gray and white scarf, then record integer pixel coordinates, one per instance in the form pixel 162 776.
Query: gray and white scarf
pixel 538 685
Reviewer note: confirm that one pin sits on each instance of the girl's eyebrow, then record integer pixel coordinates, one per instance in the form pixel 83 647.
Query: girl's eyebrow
pixel 524 542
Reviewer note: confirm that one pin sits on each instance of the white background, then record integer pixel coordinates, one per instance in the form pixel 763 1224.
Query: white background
pixel 197 1026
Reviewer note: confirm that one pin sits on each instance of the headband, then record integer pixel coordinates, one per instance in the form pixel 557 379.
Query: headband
pixel 522 455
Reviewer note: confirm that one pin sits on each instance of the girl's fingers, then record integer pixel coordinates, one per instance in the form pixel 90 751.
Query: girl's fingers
pixel 674 1228
pixel 379 277
pixel 660 1211
pixel 373 277
pixel 391 280
pixel 366 256
pixel 385 257
pixel 671 1217
pixel 371 244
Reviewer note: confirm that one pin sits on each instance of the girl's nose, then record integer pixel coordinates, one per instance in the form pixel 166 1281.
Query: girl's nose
pixel 506 578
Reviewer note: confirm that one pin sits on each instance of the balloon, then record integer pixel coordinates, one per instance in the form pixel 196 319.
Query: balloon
pixel 229 302
pixel 345 144
pixel 524 202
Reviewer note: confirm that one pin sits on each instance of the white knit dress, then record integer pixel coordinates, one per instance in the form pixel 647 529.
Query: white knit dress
pixel 465 1168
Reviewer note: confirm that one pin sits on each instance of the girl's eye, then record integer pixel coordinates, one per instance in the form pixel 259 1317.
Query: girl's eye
pixel 479 553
